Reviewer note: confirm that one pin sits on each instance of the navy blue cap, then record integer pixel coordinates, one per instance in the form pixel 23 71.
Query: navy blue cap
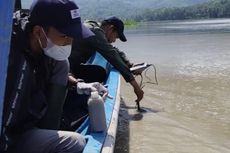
pixel 119 25
pixel 61 14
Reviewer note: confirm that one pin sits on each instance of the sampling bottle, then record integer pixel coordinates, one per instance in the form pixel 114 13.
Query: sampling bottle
pixel 96 112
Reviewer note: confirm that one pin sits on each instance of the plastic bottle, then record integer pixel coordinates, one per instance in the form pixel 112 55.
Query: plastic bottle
pixel 96 113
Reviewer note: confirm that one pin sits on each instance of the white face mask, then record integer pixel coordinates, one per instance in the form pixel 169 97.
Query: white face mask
pixel 56 52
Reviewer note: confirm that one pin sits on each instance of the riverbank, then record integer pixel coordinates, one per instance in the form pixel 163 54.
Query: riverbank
pixel 129 24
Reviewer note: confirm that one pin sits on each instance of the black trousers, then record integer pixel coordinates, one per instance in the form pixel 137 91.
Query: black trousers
pixel 75 111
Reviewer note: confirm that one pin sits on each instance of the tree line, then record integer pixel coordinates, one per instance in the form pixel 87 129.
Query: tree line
pixel 211 9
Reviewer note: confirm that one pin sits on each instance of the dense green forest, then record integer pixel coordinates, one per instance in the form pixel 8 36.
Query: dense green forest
pixel 211 9
pixel 150 10
pixel 127 9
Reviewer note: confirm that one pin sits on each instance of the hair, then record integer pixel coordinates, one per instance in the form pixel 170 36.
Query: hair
pixel 30 26
pixel 105 23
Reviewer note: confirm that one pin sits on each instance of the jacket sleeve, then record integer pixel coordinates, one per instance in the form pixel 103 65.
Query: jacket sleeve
pixel 60 71
pixel 57 90
pixel 99 43
pixel 124 57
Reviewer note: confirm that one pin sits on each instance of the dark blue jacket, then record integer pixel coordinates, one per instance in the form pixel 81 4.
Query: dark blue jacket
pixel 29 84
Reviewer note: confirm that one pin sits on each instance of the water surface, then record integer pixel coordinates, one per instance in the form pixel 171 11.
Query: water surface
pixel 189 111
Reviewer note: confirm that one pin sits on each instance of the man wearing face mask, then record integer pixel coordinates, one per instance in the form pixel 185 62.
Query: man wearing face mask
pixel 37 78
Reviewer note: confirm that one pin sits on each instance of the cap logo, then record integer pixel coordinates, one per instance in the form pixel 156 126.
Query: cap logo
pixel 75 13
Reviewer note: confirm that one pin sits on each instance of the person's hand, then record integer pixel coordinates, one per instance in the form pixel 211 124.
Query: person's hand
pixel 137 90
pixel 72 81
pixel 87 88
pixel 130 64
pixel 137 72
pixel 139 93
pixel 102 90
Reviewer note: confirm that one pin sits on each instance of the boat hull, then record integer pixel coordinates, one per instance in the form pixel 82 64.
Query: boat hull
pixel 103 142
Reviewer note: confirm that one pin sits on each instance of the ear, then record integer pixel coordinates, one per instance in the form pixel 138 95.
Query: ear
pixel 111 27
pixel 39 34
pixel 37 31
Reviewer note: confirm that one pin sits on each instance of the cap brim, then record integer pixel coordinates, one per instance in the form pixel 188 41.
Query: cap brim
pixel 77 31
pixel 122 37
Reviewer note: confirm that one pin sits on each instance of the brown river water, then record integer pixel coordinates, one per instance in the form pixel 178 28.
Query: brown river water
pixel 189 110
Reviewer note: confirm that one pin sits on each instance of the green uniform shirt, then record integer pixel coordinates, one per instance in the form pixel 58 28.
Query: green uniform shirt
pixel 83 50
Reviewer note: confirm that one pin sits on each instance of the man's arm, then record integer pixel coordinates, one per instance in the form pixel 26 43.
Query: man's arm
pixel 56 93
pixel 124 57
pixel 137 90
pixel 100 44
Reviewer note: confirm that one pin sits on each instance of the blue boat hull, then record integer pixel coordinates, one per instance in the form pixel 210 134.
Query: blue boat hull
pixel 6 13
pixel 101 142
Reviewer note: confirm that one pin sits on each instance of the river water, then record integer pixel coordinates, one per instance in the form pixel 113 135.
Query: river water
pixel 189 110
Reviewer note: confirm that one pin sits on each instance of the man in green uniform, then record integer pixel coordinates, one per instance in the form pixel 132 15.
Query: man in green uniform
pixel 110 29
